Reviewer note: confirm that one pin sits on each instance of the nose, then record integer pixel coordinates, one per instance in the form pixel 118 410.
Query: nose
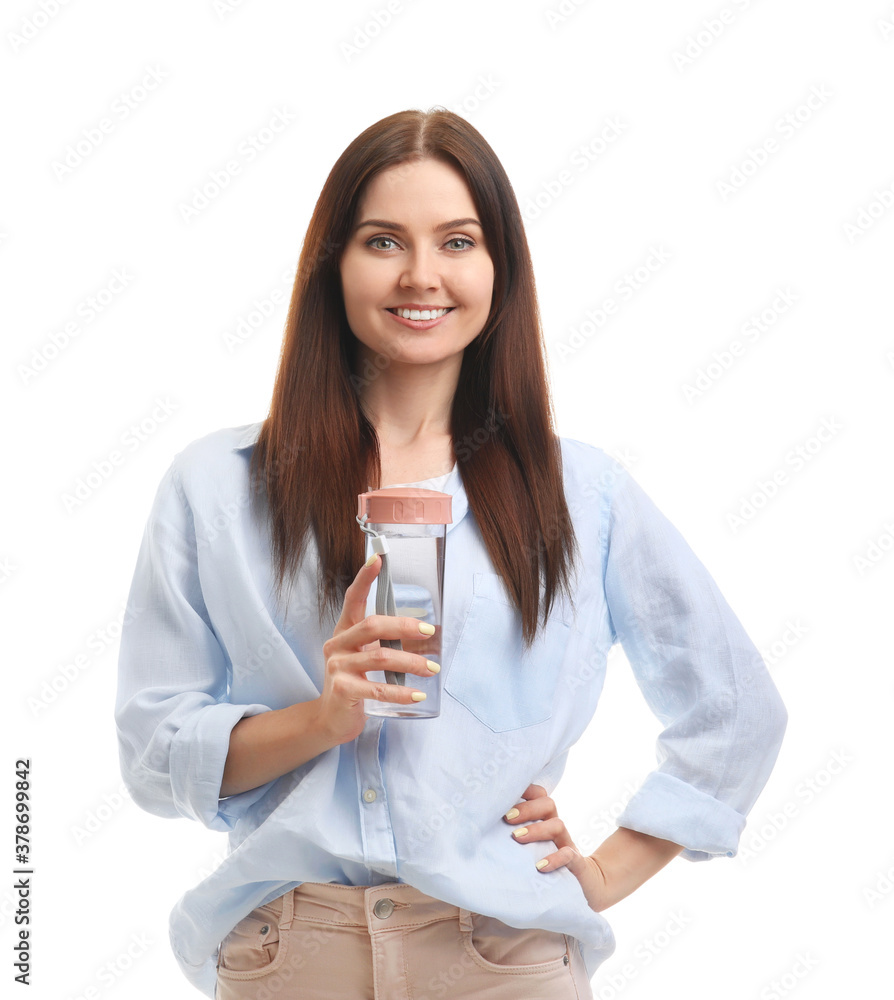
pixel 421 271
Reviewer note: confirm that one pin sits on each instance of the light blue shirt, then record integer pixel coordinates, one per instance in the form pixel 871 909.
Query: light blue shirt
pixel 421 801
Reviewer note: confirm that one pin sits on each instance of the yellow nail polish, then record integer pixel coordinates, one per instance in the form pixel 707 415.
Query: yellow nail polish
pixel 432 666
pixel 371 559
pixel 542 863
pixel 418 696
pixel 426 629
pixel 520 832
pixel 513 812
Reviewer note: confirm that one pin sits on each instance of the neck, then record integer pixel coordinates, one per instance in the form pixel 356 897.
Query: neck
pixel 410 404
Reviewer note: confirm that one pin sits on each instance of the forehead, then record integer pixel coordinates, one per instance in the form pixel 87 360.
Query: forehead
pixel 419 188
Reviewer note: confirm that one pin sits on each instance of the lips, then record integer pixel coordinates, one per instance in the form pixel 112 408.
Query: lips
pixel 420 324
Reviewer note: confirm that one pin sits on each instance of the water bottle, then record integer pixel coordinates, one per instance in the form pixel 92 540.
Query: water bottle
pixel 407 527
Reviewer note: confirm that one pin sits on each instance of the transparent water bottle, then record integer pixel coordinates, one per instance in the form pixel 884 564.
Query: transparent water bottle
pixel 407 526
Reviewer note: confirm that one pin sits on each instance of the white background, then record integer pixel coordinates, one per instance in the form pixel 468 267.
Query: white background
pixel 806 904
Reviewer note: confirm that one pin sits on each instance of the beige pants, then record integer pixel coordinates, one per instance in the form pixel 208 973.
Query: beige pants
pixel 324 941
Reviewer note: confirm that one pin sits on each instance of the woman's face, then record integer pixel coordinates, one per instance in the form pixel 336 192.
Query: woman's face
pixel 416 243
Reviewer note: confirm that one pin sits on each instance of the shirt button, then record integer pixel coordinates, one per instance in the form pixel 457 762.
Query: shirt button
pixel 384 908
pixel 369 795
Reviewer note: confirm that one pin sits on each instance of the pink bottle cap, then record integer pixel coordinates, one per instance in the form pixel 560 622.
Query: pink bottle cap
pixel 406 505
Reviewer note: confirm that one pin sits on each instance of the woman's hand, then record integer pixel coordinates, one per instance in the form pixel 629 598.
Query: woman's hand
pixel 537 815
pixel 354 648
pixel 618 866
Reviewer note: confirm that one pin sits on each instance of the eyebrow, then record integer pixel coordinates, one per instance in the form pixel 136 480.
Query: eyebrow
pixel 398 228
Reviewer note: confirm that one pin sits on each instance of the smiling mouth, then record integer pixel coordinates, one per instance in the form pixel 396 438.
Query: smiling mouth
pixel 396 311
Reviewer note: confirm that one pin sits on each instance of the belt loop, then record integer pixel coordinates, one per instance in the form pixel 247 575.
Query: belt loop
pixel 465 919
pixel 288 909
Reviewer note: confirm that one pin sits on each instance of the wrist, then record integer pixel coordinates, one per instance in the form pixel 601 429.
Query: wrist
pixel 628 858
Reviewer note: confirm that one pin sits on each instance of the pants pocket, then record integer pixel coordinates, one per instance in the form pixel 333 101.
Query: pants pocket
pixel 258 944
pixel 498 947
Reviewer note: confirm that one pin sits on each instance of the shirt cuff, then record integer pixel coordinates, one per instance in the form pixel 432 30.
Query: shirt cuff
pixel 671 809
pixel 198 755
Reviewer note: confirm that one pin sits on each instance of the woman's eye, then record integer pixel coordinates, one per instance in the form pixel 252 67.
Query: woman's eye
pixel 377 240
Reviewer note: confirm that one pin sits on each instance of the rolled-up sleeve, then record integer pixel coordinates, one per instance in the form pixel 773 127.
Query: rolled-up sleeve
pixel 701 676
pixel 172 714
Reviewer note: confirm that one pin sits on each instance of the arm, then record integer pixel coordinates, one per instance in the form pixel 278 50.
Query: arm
pixel 626 859
pixel 172 712
pixel 264 747
pixel 701 676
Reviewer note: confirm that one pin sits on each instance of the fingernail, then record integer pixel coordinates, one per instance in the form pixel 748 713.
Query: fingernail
pixel 418 696
pixel 542 863
pixel 426 629
pixel 371 559
pixel 432 666
pixel 513 812
pixel 520 832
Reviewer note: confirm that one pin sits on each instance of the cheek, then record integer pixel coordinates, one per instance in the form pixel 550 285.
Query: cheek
pixel 482 288
pixel 357 287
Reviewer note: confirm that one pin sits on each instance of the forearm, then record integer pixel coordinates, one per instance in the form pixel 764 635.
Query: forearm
pixel 266 746
pixel 628 858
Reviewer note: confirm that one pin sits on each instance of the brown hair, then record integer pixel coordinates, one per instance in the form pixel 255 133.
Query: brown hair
pixel 317 450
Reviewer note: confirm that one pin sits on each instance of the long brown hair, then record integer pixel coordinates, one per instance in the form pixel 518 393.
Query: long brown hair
pixel 317 450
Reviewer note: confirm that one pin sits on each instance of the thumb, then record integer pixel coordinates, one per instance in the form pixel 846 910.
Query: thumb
pixel 357 594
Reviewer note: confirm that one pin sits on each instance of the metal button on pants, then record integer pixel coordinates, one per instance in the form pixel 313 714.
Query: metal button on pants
pixel 391 942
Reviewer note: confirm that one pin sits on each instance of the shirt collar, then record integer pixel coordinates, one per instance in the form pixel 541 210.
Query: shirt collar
pixel 247 436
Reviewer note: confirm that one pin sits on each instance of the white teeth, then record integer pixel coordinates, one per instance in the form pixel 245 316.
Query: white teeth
pixel 421 313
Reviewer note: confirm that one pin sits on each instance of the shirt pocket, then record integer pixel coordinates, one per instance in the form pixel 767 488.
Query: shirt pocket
pixel 502 684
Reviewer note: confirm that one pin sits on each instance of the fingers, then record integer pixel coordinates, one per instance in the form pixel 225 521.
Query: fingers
pixel 542 807
pixel 408 630
pixel 357 594
pixel 548 829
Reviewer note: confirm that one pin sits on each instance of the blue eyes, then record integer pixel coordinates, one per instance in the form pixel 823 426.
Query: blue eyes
pixel 456 239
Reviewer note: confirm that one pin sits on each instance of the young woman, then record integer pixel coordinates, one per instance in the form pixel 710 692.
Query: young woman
pixel 374 857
